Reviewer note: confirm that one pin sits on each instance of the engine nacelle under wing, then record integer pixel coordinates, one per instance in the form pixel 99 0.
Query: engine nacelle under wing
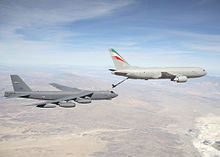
pixel 67 104
pixel 46 106
pixel 83 101
pixel 180 79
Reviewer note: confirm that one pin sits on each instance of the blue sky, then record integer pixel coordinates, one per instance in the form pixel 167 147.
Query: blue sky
pixel 146 33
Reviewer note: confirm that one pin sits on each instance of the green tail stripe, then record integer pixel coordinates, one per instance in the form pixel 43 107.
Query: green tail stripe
pixel 117 53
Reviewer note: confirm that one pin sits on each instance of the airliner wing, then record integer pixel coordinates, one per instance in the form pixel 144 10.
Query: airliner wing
pixel 68 98
pixel 168 75
pixel 65 88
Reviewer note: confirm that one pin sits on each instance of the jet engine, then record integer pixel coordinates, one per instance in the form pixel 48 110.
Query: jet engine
pixel 180 79
pixel 83 100
pixel 67 104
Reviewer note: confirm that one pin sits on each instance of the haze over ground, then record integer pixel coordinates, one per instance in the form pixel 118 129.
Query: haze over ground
pixel 148 118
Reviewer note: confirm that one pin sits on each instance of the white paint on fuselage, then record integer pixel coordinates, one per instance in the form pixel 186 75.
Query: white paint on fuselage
pixel 156 73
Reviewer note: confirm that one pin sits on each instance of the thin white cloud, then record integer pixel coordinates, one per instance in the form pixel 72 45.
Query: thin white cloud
pixel 196 41
pixel 204 47
pixel 201 36
pixel 30 14
pixel 32 31
pixel 186 40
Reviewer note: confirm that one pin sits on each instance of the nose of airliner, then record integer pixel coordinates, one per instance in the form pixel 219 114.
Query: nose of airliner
pixel 204 72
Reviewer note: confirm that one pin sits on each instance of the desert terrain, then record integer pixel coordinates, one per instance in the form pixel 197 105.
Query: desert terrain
pixel 148 118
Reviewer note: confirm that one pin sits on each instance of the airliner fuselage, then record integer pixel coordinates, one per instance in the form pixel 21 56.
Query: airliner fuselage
pixel 161 73
pixel 177 74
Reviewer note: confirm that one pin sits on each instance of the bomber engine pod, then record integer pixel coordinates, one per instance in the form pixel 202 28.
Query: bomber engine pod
pixel 83 101
pixel 67 104
pixel 46 106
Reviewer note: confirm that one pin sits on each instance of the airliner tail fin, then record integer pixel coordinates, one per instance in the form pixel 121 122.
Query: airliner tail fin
pixel 118 61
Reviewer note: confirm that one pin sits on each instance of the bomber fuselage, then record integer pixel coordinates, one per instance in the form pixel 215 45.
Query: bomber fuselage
pixel 52 95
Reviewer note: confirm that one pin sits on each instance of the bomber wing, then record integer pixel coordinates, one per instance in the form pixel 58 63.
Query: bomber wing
pixel 65 88
pixel 68 98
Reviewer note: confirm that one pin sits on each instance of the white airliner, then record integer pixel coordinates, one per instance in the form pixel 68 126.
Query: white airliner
pixel 177 74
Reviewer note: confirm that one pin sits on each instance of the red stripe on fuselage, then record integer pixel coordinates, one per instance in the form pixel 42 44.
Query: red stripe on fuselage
pixel 116 57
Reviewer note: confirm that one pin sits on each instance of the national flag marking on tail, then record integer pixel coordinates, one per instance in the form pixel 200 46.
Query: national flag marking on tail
pixel 115 55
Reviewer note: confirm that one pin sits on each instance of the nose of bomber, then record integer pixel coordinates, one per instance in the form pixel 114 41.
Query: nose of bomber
pixel 114 95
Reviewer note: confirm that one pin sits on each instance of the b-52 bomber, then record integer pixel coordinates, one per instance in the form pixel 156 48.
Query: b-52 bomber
pixel 63 98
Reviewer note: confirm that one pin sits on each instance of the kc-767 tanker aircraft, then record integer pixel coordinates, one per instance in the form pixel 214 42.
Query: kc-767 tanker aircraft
pixel 177 74
pixel 63 98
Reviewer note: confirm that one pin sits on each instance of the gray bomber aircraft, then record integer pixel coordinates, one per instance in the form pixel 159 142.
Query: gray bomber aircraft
pixel 177 74
pixel 63 98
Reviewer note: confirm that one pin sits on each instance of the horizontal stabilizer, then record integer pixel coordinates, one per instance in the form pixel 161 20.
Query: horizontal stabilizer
pixel 112 69
pixel 120 73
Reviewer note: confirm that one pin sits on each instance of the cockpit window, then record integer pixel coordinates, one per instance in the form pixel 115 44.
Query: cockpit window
pixel 112 92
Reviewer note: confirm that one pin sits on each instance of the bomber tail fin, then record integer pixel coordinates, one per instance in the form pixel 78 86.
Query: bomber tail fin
pixel 18 84
pixel 118 61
